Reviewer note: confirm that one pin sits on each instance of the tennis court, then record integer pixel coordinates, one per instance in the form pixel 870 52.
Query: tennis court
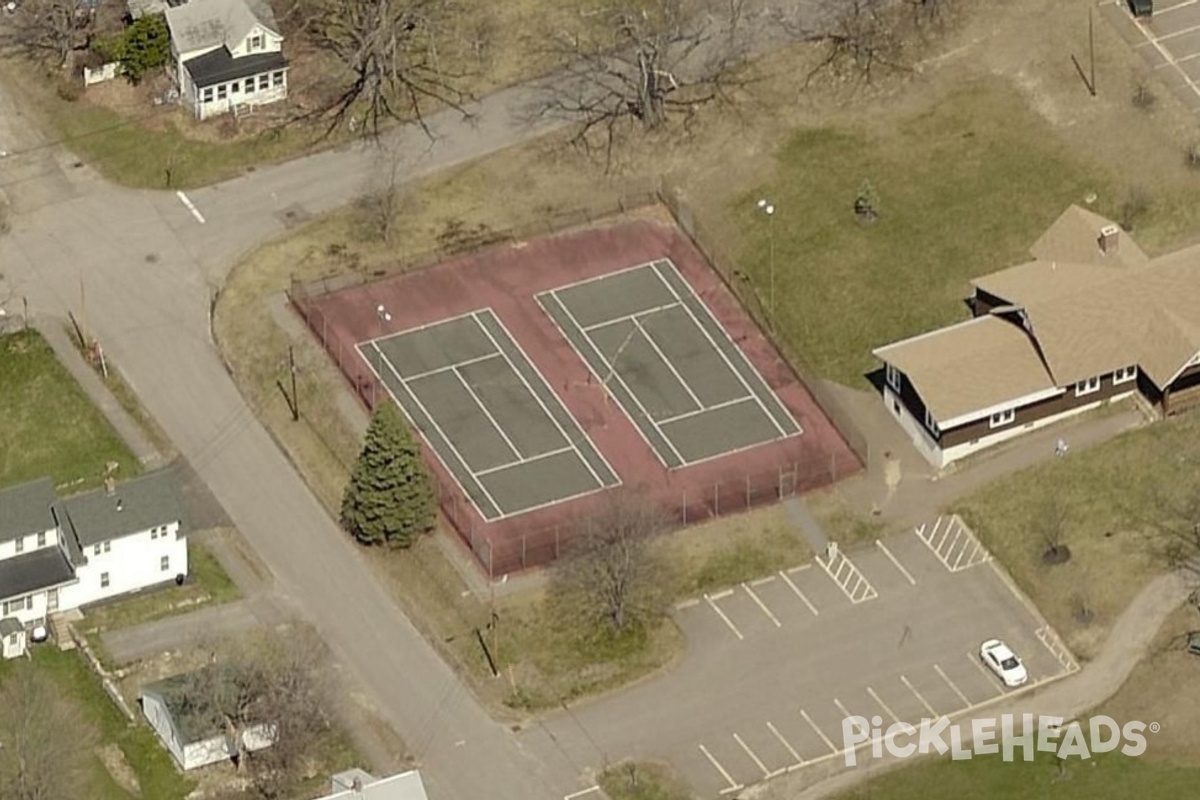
pixel 651 342
pixel 488 414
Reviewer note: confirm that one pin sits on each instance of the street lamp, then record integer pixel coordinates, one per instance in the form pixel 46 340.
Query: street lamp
pixel 768 208
pixel 384 317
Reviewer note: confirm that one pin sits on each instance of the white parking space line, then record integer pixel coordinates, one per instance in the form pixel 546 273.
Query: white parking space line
pixel 695 601
pixel 799 568
pixel 753 757
pixel 582 793
pixel 842 708
pixel 721 614
pixel 987 674
pixel 762 605
pixel 896 562
pixel 818 731
pixel 882 704
pixel 799 593
pixel 785 743
pixel 762 581
pixel 721 595
pixel 950 683
pixel 917 695
pixel 734 786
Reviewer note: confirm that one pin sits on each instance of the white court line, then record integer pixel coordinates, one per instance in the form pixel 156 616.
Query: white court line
pixel 733 785
pixel 521 461
pixel 669 364
pixel 883 705
pixel 785 743
pixel 432 421
pixel 721 614
pixel 950 683
pixel 183 198
pixel 500 324
pixel 991 678
pixel 699 411
pixel 745 359
pixel 632 395
pixel 896 562
pixel 762 605
pixel 799 593
pixel 597 278
pixel 587 791
pixel 488 414
pixel 430 372
pixel 762 581
pixel 629 317
pixel 753 757
pixel 420 328
pixel 818 731
pixel 917 694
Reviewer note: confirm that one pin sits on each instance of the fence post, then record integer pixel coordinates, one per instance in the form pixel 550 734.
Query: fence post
pixel 716 499
pixel 747 491
pixel 523 564
pixel 556 544
pixel 683 507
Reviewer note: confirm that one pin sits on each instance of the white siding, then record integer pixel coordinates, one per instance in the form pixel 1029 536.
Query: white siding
pixel 13 645
pixel 132 562
pixel 30 543
pixel 216 749
pixel 160 720
pixel 36 612
pixel 271 43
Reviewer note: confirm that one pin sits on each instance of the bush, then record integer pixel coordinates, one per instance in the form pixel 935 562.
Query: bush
pixel 69 90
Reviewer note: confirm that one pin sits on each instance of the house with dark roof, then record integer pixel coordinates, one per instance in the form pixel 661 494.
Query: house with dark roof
pixel 228 55
pixel 193 730
pixel 1091 319
pixel 57 555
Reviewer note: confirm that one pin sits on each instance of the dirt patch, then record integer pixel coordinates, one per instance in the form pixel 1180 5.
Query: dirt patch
pixel 114 761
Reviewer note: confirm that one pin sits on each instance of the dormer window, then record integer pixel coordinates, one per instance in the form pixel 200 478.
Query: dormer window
pixel 893 377
pixel 256 42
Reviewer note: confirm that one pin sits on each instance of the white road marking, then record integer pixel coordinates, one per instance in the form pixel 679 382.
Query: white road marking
pixel 896 562
pixel 799 593
pixel 721 595
pixel 733 785
pixel 882 704
pixel 785 743
pixel 842 708
pixel 727 620
pixel 587 791
pixel 762 605
pixel 695 601
pixel 950 683
pixel 762 581
pixel 818 731
pixel 988 674
pixel 917 694
pixel 753 757
pixel 800 568
pixel 183 198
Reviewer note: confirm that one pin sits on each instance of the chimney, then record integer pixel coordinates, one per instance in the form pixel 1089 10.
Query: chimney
pixel 1110 239
pixel 110 486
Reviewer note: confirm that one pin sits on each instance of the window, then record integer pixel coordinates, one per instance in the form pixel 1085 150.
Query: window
pixel 96 550
pixel 20 544
pixel 264 82
pixel 1002 418
pixel 164 564
pixel 103 580
pixel 154 533
pixel 277 79
pixel 1087 386
pixel 41 540
pixel 20 604
pixel 108 547
pixel 249 86
pixel 1124 375
pixel 256 43
pixel 221 91
pixel 208 95
pixel 931 424
pixel 893 377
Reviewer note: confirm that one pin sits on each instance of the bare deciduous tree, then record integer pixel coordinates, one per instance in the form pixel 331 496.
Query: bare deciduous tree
pixel 1053 520
pixel 610 576
pixel 642 64
pixel 865 35
pixel 1177 520
pixel 45 741
pixel 270 681
pixel 395 60
pixel 54 29
pixel 384 198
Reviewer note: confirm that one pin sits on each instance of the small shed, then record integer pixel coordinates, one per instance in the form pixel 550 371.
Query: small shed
pixel 190 728
pixel 355 784
pixel 12 638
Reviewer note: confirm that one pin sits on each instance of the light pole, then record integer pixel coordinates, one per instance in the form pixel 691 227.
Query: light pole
pixel 768 208
pixel 384 317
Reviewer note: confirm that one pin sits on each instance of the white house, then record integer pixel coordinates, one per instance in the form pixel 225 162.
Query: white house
pixel 228 55
pixel 57 555
pixel 195 733
pixel 355 784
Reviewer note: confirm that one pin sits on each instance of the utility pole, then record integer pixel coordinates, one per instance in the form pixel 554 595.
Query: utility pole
pixel 295 397
pixel 1092 49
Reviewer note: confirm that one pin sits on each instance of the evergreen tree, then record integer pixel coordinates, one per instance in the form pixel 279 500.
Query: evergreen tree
pixel 390 497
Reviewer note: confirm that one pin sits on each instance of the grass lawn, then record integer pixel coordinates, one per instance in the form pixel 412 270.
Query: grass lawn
pixel 148 760
pixel 631 780
pixel 207 585
pixel 1108 496
pixel 964 189
pixel 47 425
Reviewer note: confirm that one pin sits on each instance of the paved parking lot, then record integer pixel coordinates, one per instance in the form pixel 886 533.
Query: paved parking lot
pixel 890 630
pixel 1169 42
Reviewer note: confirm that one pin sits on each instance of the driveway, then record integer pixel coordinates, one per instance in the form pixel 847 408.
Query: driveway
pixel 890 631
